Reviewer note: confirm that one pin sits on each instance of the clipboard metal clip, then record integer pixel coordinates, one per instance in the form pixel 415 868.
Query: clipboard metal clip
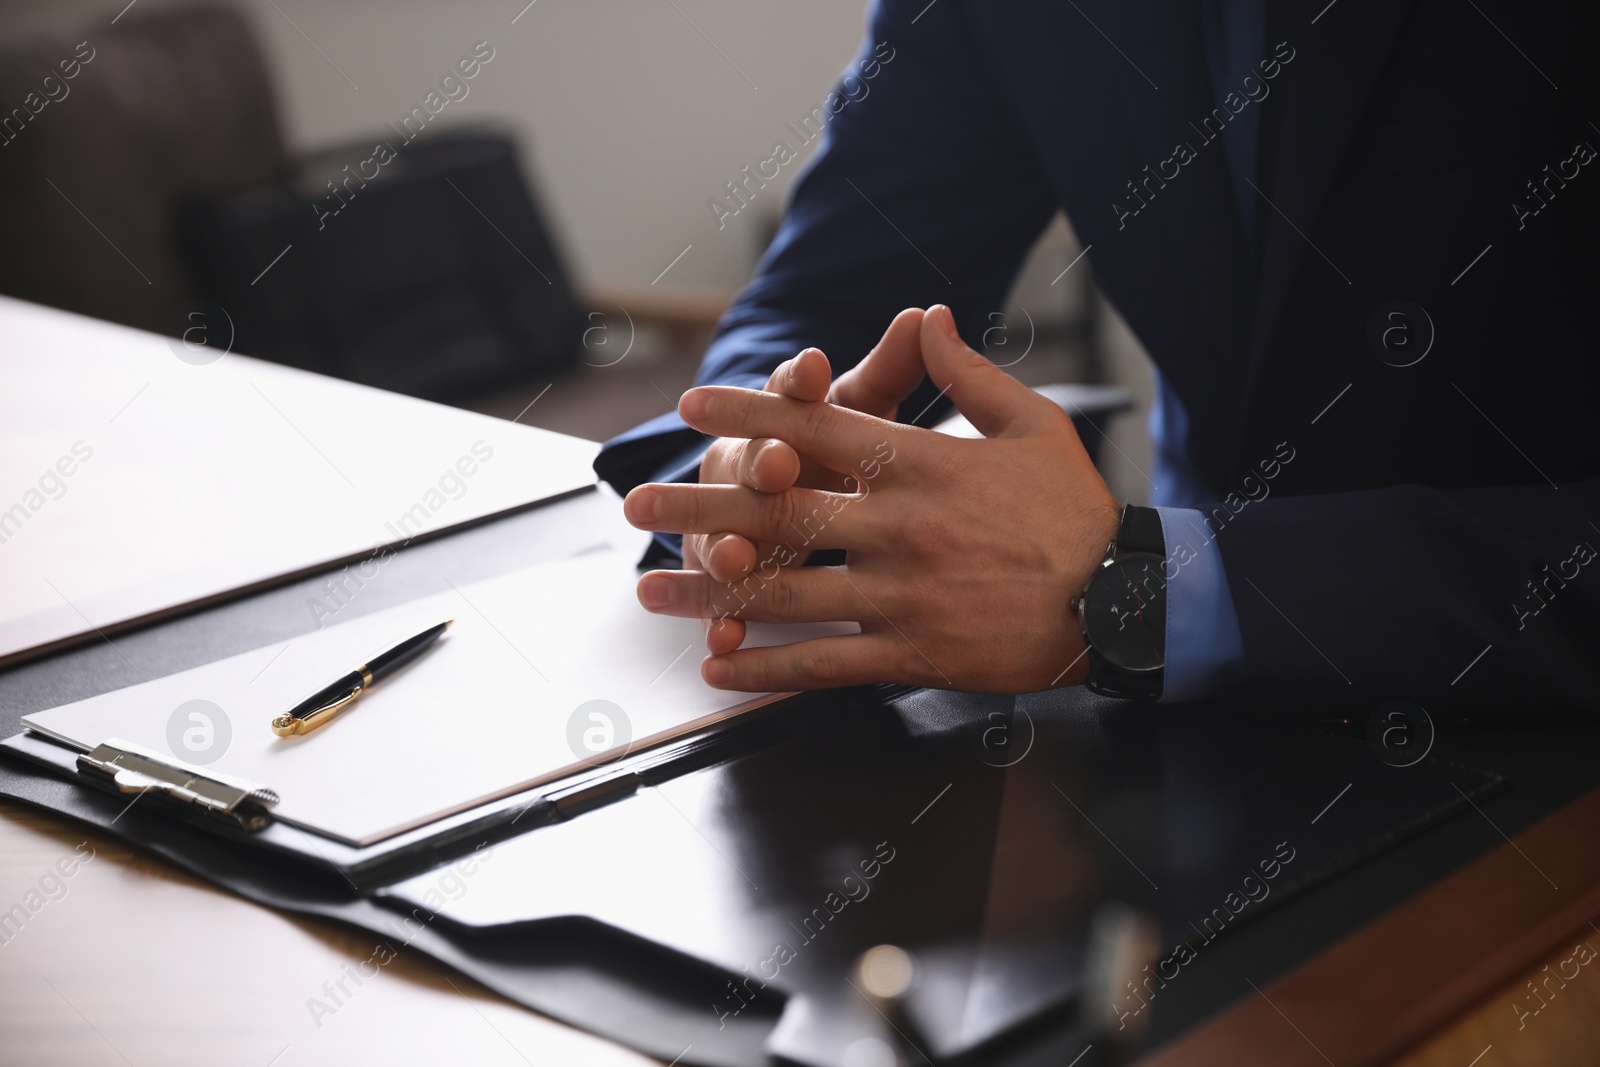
pixel 133 769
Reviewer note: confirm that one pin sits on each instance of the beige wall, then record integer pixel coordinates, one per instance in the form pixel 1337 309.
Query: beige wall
pixel 634 119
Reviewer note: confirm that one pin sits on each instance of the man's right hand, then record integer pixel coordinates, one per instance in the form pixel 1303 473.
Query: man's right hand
pixel 878 385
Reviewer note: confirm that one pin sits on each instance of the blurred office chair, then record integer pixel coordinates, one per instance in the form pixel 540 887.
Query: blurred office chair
pixel 103 133
pixel 146 182
pixel 432 274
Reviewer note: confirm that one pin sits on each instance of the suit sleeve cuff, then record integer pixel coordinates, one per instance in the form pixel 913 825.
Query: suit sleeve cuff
pixel 1204 646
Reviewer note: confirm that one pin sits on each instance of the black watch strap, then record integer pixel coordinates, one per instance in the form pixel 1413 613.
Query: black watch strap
pixel 1139 531
pixel 1110 681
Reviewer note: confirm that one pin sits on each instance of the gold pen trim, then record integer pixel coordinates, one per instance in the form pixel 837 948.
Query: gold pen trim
pixel 289 725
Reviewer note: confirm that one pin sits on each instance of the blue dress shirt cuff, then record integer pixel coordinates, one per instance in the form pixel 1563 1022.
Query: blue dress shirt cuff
pixel 1203 642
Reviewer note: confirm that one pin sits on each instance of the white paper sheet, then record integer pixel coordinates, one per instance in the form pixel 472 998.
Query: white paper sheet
pixel 133 483
pixel 500 704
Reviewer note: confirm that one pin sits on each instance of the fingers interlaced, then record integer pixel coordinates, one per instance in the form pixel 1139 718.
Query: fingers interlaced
pixel 738 562
pixel 763 464
pixel 812 518
pixel 805 377
pixel 824 662
pixel 725 556
pixel 724 635
pixel 842 440
pixel 880 383
pixel 771 594
pixel 759 509
pixel 992 400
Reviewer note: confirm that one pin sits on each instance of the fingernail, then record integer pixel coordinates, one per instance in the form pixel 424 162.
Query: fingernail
pixel 695 405
pixel 655 591
pixel 642 505
pixel 716 670
pixel 947 321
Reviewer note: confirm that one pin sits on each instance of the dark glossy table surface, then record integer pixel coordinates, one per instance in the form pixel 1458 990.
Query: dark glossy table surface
pixel 1007 843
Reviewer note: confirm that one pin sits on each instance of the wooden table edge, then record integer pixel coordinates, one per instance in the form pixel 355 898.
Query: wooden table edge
pixel 1395 982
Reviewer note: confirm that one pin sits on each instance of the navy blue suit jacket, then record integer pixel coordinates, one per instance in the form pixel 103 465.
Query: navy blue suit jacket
pixel 1433 537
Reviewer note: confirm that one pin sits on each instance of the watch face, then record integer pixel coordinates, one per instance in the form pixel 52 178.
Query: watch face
pixel 1124 612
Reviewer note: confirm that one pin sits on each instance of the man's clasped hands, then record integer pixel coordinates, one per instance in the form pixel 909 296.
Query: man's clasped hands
pixel 962 555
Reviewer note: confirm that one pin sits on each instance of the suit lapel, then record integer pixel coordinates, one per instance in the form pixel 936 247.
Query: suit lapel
pixel 1337 64
pixel 1166 93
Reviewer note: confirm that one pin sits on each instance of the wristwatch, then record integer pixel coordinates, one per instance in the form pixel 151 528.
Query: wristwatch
pixel 1123 611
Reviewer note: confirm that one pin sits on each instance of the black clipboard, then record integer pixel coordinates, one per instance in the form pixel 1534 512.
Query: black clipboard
pixel 226 806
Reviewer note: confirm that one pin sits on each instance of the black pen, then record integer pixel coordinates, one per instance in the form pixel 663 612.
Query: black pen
pixel 326 703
